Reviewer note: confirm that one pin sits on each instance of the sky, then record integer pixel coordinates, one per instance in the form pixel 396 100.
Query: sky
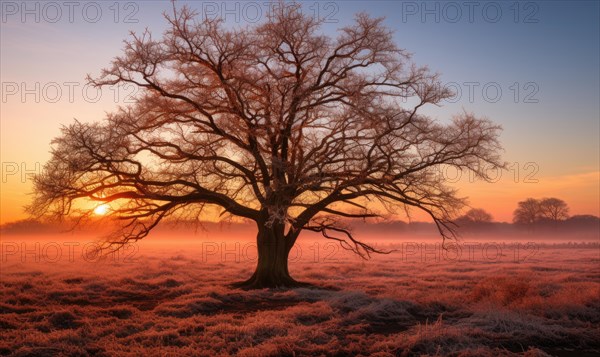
pixel 532 67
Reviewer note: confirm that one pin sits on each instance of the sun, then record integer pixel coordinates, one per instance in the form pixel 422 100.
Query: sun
pixel 101 210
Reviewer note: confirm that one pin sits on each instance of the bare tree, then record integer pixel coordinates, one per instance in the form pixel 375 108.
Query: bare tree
pixel 535 210
pixel 527 211
pixel 476 215
pixel 274 123
pixel 554 209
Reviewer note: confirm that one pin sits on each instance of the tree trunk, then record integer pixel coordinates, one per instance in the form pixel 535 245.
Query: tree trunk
pixel 272 267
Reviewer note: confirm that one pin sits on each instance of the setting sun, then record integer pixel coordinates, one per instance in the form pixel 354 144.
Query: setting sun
pixel 101 210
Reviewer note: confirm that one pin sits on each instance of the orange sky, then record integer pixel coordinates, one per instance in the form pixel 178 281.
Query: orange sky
pixel 581 191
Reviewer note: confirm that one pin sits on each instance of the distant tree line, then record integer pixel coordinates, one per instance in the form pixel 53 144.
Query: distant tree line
pixel 534 210
pixel 545 212
pixel 539 213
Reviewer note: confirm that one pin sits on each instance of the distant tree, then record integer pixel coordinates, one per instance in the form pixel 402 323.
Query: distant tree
pixel 537 210
pixel 584 219
pixel 276 123
pixel 553 209
pixel 527 211
pixel 584 222
pixel 476 215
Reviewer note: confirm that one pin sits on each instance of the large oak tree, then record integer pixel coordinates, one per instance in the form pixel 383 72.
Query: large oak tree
pixel 275 123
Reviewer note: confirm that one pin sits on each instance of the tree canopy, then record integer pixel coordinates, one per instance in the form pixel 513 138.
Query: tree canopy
pixel 475 215
pixel 275 123
pixel 534 210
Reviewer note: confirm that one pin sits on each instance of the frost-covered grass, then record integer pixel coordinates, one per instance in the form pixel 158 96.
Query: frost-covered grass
pixel 172 299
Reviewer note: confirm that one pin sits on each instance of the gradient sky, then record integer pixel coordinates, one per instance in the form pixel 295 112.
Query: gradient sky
pixel 548 50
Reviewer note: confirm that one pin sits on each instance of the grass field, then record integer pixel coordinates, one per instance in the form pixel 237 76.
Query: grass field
pixel 170 300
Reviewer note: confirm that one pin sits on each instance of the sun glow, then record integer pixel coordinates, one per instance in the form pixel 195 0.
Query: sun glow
pixel 101 210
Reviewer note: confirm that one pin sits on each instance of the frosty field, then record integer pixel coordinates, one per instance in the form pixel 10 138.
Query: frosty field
pixel 173 299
